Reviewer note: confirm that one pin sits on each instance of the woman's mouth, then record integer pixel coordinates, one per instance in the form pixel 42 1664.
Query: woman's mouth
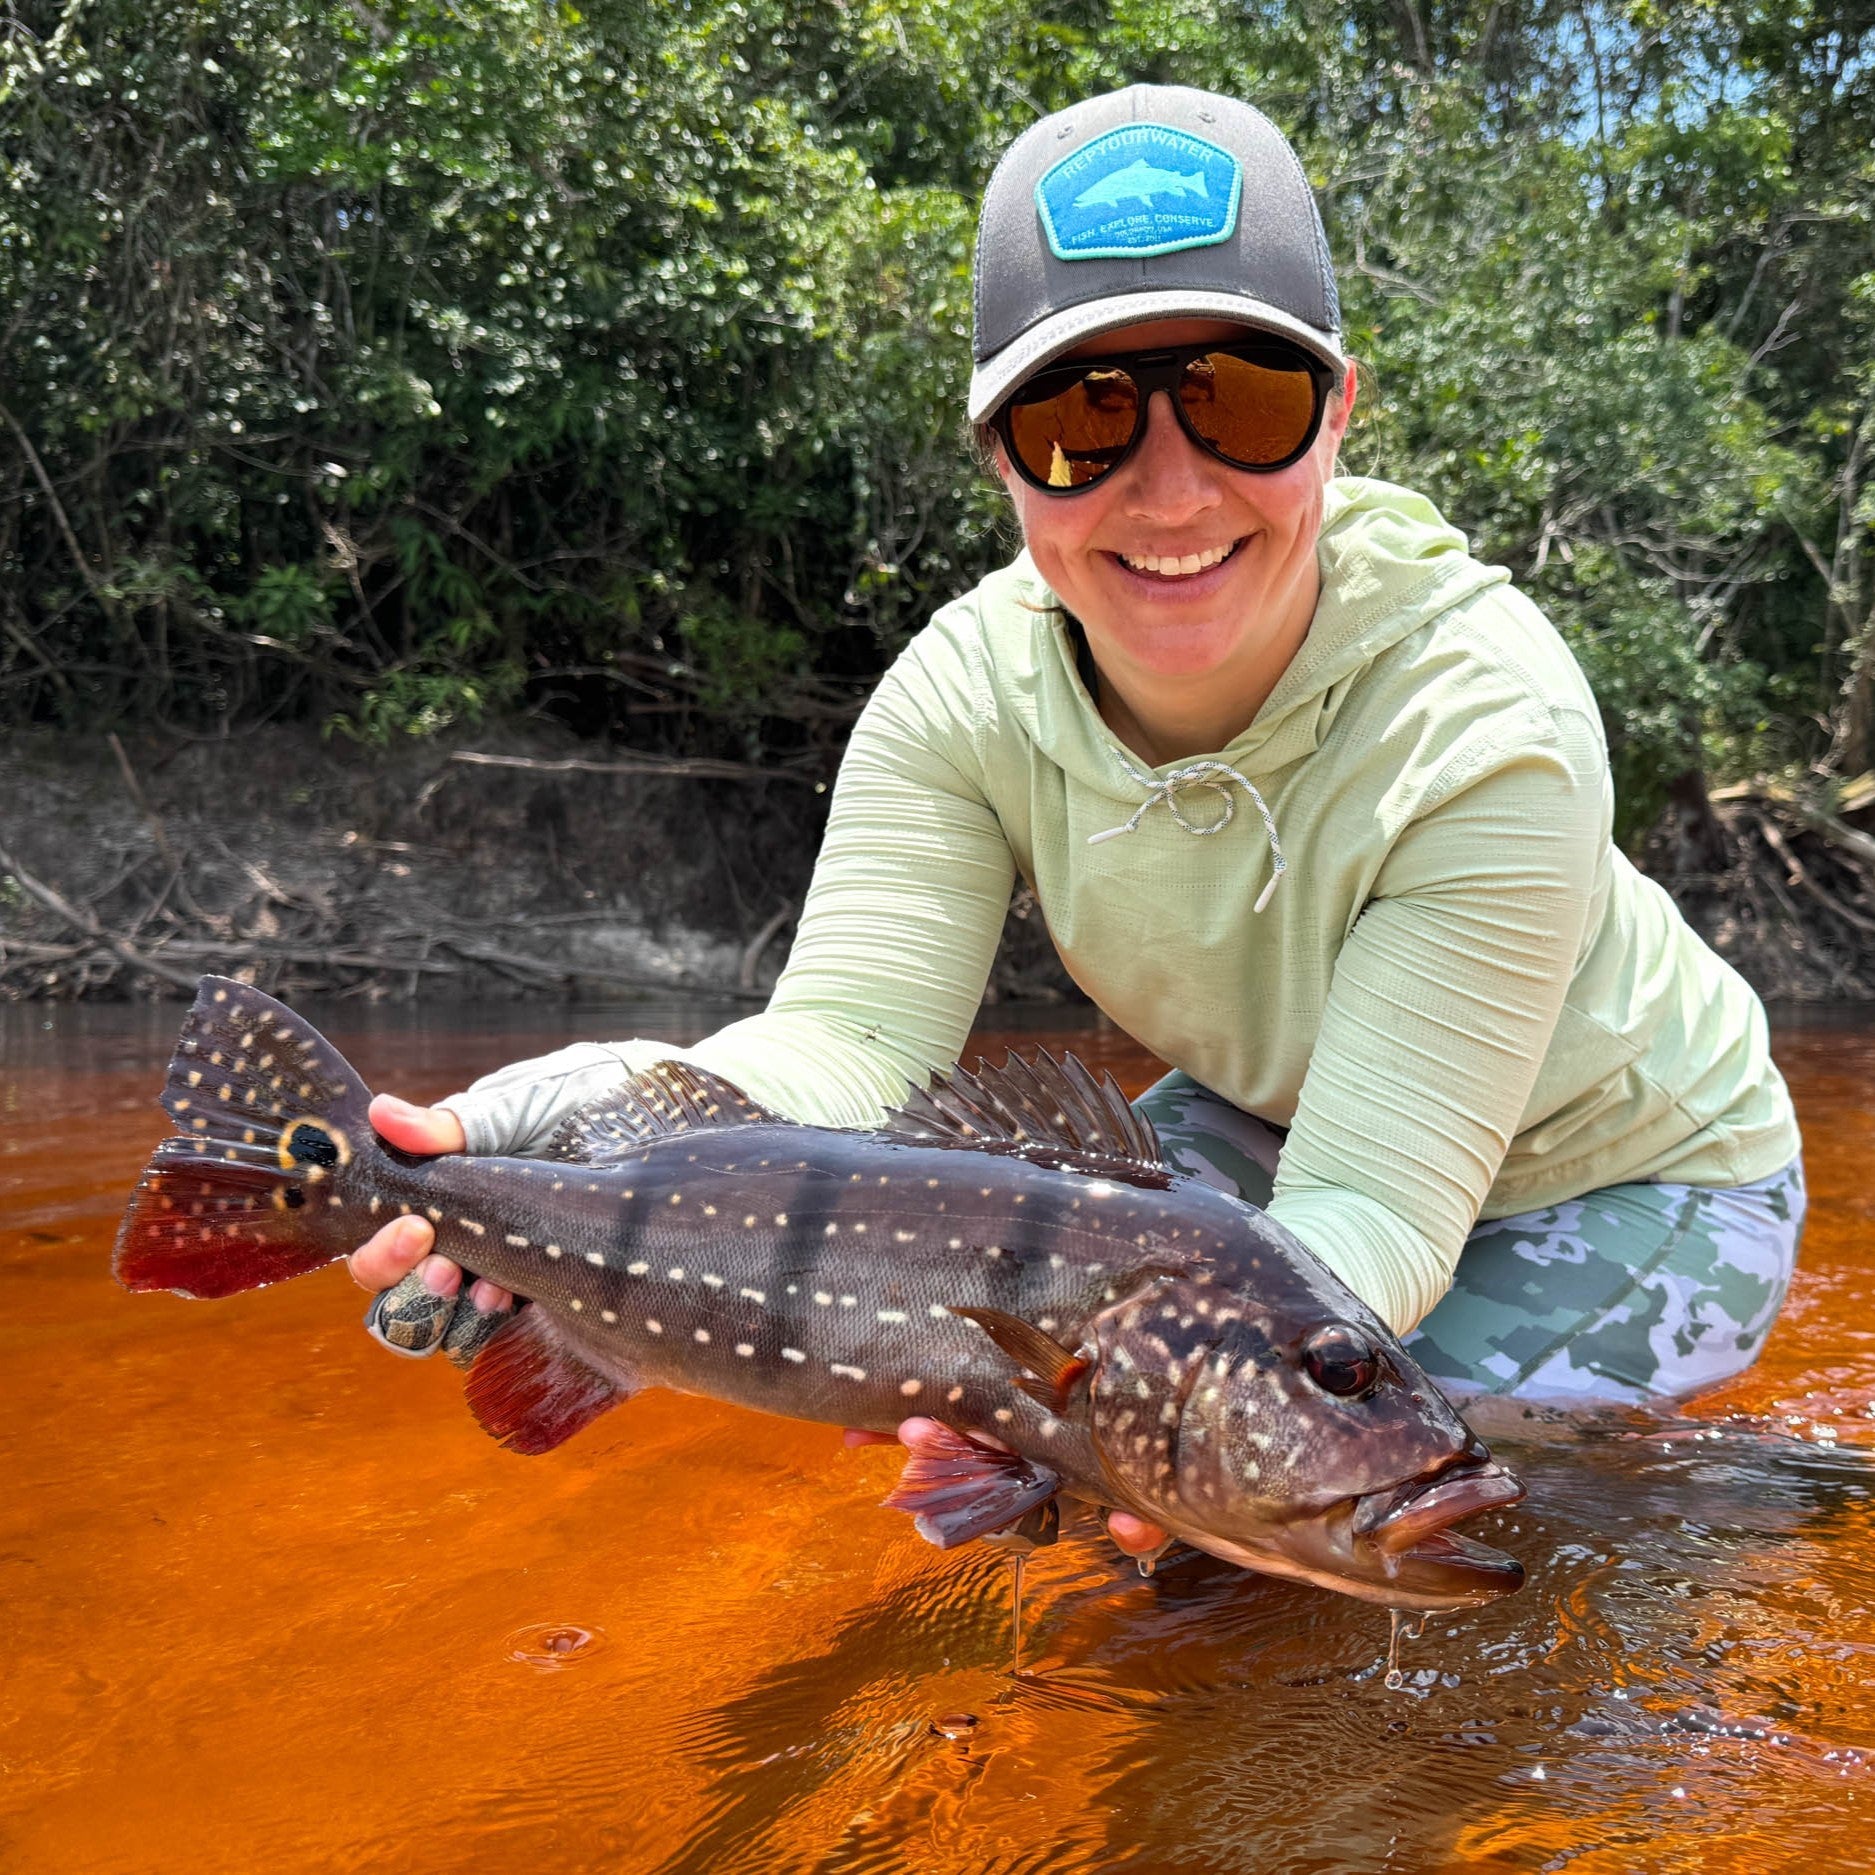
pixel 1171 568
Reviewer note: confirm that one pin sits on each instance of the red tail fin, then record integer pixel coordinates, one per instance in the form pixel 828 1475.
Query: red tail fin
pixel 204 1227
pixel 269 1116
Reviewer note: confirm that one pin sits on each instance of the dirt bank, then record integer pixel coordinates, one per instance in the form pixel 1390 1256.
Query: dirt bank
pixel 525 865
pixel 512 865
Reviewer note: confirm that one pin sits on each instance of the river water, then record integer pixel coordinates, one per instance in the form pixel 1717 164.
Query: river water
pixel 273 1601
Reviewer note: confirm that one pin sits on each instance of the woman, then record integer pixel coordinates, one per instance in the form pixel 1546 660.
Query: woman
pixel 1414 984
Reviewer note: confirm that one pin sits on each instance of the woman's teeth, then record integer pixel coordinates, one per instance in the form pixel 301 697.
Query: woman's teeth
pixel 1178 566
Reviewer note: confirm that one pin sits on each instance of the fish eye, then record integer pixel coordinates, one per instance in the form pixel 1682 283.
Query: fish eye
pixel 1341 1362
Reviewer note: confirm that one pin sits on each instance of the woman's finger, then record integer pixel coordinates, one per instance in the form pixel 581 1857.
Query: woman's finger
pixel 395 1251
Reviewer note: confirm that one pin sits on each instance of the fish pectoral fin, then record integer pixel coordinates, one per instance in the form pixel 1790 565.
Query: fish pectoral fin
pixel 531 1392
pixel 1051 1371
pixel 958 1489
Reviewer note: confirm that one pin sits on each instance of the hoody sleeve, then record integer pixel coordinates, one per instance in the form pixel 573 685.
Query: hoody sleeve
pixel 895 941
pixel 1440 1012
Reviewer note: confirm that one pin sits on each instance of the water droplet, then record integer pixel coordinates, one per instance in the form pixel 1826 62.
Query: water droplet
pixel 954 1724
pixel 552 1645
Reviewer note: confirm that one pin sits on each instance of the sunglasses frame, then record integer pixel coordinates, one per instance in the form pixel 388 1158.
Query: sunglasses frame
pixel 1162 369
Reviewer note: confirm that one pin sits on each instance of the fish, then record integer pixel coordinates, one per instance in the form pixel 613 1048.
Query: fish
pixel 1140 181
pixel 1009 1256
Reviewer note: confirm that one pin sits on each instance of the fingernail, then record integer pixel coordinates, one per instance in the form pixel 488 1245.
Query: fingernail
pixel 440 1276
pixel 487 1297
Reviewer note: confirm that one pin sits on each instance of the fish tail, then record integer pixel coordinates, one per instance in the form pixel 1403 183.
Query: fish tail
pixel 248 1191
pixel 1195 182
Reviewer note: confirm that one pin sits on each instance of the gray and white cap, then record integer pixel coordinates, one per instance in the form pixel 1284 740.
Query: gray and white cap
pixel 1156 202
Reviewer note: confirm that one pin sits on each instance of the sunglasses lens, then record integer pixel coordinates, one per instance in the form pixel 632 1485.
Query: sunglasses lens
pixel 1068 431
pixel 1251 410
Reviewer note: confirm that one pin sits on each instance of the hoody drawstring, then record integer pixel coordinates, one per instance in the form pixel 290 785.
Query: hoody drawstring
pixel 1217 776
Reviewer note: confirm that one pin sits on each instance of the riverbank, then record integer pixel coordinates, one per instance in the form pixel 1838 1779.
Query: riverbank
pixel 525 864
pixel 514 864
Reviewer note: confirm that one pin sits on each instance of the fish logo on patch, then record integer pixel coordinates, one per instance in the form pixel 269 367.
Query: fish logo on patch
pixel 1141 190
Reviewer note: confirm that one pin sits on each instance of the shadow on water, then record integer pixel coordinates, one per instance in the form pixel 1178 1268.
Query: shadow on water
pixel 1213 1721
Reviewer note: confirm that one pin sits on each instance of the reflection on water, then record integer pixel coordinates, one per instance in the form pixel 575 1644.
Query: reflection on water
pixel 269 1592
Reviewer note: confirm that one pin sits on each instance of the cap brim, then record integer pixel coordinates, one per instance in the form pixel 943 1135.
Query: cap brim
pixel 1060 332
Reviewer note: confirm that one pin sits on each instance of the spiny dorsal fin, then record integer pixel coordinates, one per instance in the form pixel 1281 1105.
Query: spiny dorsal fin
pixel 1043 1102
pixel 667 1097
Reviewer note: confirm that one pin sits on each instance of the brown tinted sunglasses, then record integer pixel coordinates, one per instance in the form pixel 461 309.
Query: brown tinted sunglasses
pixel 1256 405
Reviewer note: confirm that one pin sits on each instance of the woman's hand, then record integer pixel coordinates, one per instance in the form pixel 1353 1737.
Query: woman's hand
pixel 404 1243
pixel 1133 1534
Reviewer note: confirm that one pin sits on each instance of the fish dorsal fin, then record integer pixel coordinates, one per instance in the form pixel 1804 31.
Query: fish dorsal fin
pixel 1044 1102
pixel 667 1097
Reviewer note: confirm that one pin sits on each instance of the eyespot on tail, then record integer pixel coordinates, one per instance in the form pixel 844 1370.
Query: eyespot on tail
pixel 267 1115
pixel 209 1228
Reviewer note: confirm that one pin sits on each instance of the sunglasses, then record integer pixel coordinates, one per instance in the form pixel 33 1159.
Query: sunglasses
pixel 1253 406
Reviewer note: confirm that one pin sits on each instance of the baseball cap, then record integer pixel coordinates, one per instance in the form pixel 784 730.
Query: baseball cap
pixel 1156 202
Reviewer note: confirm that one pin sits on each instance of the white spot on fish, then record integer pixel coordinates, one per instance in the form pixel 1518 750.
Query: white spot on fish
pixel 657 1328
pixel 711 1280
pixel 847 1373
pixel 607 1315
pixel 745 1348
pixel 753 1295
pixel 1003 1415
pixel 823 1298
pixel 893 1315
pixel 1100 1189
pixel 637 1269
pixel 904 1236
pixel 676 1275
pixel 860 1229
pixel 434 1215
pixel 709 1210
pixel 513 1242
pixel 781 1219
pixel 847 1302
pixel 911 1388
pixel 469 1224
pixel 578 1304
pixel 748 1223
pixel 553 1249
pixel 793 1354
pixel 596 1258
pixel 703 1335
pixel 1046 1324
pixel 938 1310
pixel 195 1078
pixel 832 1230
pixel 955 1394
pixel 1140 1387
pixel 677 1197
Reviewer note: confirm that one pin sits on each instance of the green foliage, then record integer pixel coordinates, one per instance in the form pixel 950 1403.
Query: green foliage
pixel 395 364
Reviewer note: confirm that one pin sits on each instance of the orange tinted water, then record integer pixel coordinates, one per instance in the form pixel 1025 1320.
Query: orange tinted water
pixel 274 1602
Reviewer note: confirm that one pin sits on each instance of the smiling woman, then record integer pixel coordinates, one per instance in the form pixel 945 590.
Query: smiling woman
pixel 1470 1058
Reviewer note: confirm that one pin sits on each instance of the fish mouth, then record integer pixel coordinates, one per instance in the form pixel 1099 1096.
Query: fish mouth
pixel 1408 1531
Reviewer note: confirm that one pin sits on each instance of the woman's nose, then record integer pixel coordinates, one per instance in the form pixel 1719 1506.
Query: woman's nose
pixel 1169 477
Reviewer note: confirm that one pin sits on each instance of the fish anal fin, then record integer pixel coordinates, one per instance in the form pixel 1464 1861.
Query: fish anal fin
pixel 1051 1372
pixel 1057 1106
pixel 531 1392
pixel 958 1489
pixel 667 1097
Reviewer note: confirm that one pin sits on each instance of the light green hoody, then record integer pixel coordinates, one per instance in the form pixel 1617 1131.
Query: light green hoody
pixel 1459 996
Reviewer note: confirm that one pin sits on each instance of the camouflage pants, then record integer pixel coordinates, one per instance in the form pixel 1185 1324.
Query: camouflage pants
pixel 1631 1293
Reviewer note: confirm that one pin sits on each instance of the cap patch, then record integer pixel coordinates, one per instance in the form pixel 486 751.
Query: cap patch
pixel 1137 191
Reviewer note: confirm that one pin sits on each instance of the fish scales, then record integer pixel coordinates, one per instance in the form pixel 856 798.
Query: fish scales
pixel 742 1241
pixel 1009 1259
